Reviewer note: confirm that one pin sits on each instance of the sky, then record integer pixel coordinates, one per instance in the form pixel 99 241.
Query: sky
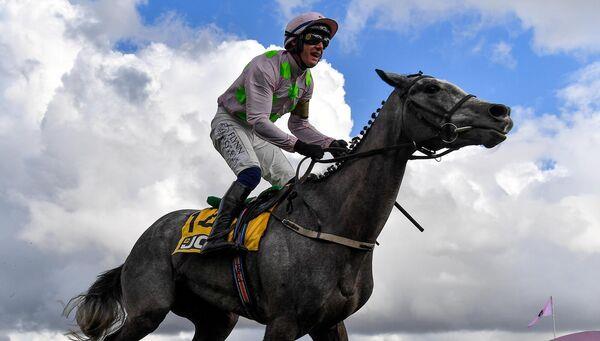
pixel 105 110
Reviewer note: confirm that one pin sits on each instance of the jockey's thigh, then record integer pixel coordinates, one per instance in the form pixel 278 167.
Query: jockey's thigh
pixel 233 140
pixel 274 166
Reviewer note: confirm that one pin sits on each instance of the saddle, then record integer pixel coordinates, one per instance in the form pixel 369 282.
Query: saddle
pixel 256 205
pixel 248 227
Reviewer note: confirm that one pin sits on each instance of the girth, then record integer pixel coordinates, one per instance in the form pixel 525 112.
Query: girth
pixel 355 244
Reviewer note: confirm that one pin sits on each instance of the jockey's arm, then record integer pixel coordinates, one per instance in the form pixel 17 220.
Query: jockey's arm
pixel 302 129
pixel 268 131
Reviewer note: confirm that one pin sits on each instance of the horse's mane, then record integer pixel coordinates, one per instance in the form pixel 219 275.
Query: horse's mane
pixel 355 143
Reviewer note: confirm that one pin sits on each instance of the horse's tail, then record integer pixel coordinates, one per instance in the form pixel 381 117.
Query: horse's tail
pixel 99 311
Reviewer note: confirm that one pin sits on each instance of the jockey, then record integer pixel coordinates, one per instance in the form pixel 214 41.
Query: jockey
pixel 243 129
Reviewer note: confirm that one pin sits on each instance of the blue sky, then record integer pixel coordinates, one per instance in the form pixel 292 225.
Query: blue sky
pixel 438 49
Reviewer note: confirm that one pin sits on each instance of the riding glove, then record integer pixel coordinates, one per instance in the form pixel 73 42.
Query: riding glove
pixel 338 144
pixel 307 149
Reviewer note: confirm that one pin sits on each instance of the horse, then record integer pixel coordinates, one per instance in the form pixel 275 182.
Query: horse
pixel 299 285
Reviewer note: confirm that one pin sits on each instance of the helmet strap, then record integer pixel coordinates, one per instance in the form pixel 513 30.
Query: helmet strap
pixel 299 60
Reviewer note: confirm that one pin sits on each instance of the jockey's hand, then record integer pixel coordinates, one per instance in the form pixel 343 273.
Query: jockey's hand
pixel 339 144
pixel 307 149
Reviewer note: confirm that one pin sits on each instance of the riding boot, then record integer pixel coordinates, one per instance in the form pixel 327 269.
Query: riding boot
pixel 229 208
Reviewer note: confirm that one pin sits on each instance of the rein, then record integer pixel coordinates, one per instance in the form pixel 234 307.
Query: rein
pixel 428 156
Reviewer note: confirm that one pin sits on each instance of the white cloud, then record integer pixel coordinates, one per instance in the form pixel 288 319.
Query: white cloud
pixel 516 177
pixel 584 93
pixel 557 26
pixel 502 54
pixel 291 8
pixel 404 16
pixel 32 61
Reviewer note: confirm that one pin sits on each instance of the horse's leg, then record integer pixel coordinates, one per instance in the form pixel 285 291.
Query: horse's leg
pixel 210 323
pixel 281 329
pixel 214 326
pixel 138 326
pixel 335 333
pixel 148 294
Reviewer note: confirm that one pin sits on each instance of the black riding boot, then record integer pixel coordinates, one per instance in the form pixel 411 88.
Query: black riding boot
pixel 230 206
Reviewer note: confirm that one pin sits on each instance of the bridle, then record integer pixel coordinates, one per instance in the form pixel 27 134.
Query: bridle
pixel 447 131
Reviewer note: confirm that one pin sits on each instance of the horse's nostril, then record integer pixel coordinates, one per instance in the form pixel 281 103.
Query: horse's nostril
pixel 499 110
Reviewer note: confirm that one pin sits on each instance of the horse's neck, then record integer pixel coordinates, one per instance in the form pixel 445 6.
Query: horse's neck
pixel 357 199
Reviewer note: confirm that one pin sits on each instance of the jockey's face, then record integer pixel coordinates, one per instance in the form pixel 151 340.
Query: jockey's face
pixel 311 54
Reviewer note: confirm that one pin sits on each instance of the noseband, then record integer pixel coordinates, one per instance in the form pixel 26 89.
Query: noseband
pixel 447 131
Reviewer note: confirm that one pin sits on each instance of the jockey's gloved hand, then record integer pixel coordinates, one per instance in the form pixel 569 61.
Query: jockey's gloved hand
pixel 339 144
pixel 307 149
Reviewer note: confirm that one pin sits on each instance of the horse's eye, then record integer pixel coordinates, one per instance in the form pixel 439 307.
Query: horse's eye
pixel 431 89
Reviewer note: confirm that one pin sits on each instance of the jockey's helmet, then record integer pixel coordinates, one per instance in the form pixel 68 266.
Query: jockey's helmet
pixel 298 25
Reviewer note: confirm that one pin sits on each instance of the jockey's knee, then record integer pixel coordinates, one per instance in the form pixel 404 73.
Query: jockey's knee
pixel 249 177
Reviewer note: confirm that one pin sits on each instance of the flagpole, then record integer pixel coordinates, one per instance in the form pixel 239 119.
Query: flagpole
pixel 553 318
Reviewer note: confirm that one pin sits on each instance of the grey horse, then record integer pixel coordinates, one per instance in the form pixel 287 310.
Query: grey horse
pixel 300 285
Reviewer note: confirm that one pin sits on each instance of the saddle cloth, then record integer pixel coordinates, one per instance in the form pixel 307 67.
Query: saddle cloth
pixel 252 224
pixel 196 230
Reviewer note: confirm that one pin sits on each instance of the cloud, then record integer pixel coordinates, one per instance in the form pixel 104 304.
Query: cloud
pixel 403 16
pixel 557 26
pixel 291 8
pixel 502 54
pixel 583 94
pixel 100 143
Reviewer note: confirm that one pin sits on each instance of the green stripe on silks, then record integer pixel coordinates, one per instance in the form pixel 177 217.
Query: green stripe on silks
pixel 242 116
pixel 240 95
pixel 293 91
pixel 271 54
pixel 274 117
pixel 308 78
pixel 285 70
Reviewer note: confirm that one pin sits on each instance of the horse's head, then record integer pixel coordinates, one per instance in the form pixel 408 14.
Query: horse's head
pixel 438 114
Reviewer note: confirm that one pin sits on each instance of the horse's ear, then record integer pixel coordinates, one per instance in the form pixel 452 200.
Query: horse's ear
pixel 393 79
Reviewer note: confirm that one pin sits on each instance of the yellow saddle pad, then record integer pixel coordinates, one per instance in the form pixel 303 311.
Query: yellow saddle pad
pixel 197 228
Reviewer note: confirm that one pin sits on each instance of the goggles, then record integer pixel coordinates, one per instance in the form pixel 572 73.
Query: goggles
pixel 312 38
